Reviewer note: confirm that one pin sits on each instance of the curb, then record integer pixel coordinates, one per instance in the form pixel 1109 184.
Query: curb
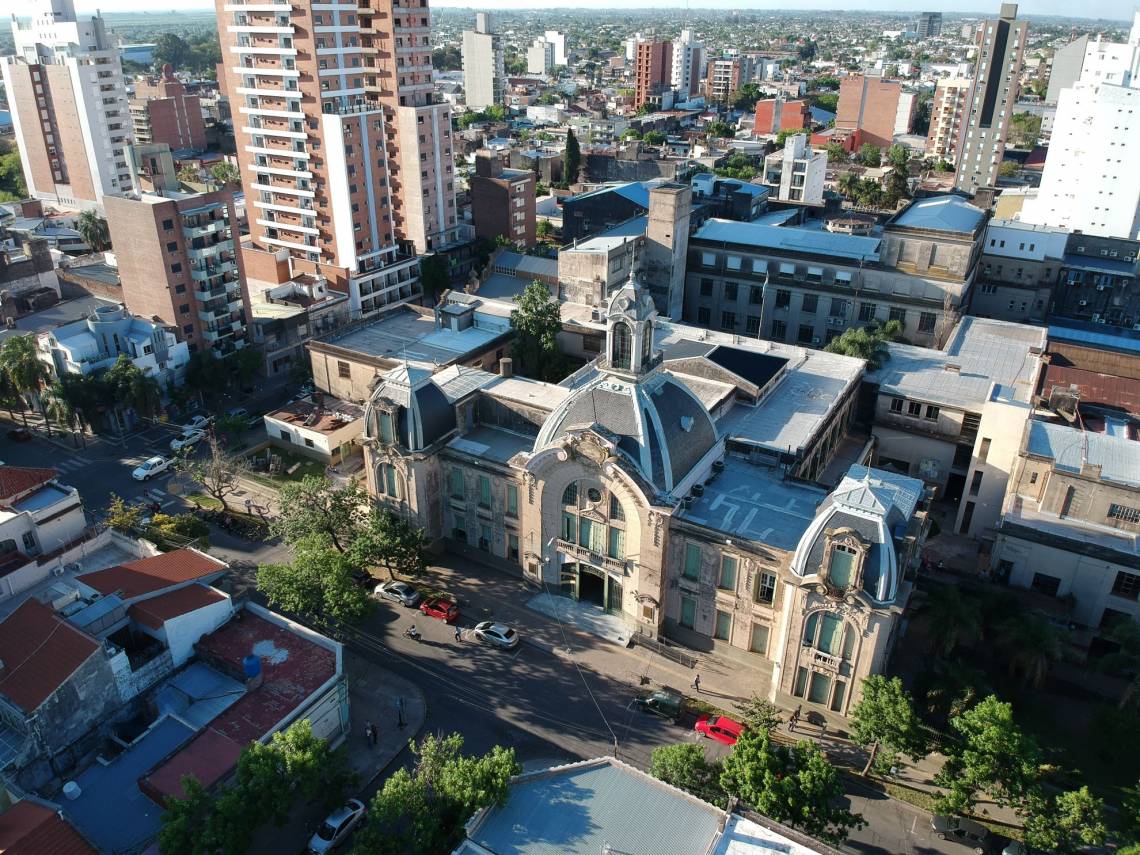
pixel 411 736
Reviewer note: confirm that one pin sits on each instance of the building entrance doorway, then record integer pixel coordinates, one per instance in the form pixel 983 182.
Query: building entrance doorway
pixel 588 584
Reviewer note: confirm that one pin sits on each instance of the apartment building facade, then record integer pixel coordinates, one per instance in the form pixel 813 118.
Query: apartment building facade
pixel 727 74
pixel 502 200
pixel 1098 279
pixel 163 112
pixel 313 152
pixel 797 172
pixel 653 70
pixel 179 262
pixel 806 286
pixel 1020 267
pixel 777 114
pixel 997 69
pixel 484 69
pixel 948 113
pixel 68 100
pixel 688 60
pixel 869 107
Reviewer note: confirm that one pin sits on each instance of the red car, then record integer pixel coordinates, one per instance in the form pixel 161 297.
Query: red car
pixel 441 608
pixel 719 727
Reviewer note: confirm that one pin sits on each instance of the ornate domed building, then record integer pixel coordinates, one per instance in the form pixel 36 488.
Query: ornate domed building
pixel 671 484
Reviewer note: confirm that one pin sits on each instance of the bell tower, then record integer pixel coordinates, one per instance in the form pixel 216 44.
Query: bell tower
pixel 629 329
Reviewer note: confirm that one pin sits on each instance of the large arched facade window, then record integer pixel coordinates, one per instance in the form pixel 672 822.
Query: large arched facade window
pixel 602 538
pixel 826 662
pixel 622 355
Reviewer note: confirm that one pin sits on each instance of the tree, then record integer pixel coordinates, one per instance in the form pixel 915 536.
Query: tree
pixel 189 175
pixel 424 809
pixel 386 539
pixel 1024 130
pixel 225 173
pixel 199 824
pixel 20 362
pixel 318 583
pixel 885 721
pixel 1030 645
pixel 869 155
pixel 93 229
pixel 1125 660
pixel 1130 810
pixel 795 785
pixel 1065 823
pixel 867 343
pixel 123 517
pixel 685 766
pixel 206 375
pixel 720 129
pixel 544 229
pixel 316 506
pixel 219 473
pixel 536 323
pixel 1007 168
pixel 739 166
pixel 12 186
pixel 992 757
pixel 782 136
pixel 836 153
pixel 849 184
pixel 128 385
pixel 243 365
pixel 952 621
pixel 572 158
pixel 435 277
pixel 171 49
pixel 655 137
pixel 759 713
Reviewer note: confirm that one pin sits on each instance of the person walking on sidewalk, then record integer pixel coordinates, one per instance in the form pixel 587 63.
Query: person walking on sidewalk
pixel 400 712
pixel 368 733
pixel 697 683
pixel 458 634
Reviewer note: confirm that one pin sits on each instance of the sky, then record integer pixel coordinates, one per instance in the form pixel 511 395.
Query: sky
pixel 1121 10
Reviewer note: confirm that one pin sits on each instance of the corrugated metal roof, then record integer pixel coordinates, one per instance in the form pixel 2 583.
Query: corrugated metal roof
pixel 582 808
pixel 941 213
pixel 1069 447
pixel 1104 336
pixel 1101 265
pixel 791 239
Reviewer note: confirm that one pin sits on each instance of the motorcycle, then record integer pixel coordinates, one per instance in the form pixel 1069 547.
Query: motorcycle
pixel 412 633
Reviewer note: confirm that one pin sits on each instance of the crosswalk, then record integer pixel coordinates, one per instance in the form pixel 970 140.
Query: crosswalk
pixel 69 464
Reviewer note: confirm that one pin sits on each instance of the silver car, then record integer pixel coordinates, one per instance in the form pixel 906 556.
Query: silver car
pixel 496 634
pixel 398 592
pixel 336 827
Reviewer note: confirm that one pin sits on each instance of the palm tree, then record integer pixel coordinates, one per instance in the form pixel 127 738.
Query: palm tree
pixel 93 229
pixel 21 364
pixel 57 406
pixel 1030 645
pixel 952 620
pixel 849 185
pixel 1126 659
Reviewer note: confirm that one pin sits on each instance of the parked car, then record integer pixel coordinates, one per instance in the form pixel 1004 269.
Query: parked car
pixel 238 413
pixel 719 727
pixel 19 434
pixel 496 634
pixel 336 827
pixel 441 608
pixel 663 702
pixel 398 592
pixel 254 421
pixel 198 422
pixel 155 466
pixel 961 830
pixel 187 439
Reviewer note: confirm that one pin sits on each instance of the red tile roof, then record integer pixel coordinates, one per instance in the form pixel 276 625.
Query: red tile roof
pixel 28 828
pixel 158 610
pixel 17 480
pixel 39 650
pixel 147 575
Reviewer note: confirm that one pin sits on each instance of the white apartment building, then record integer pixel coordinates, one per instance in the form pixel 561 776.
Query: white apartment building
pixel 559 41
pixel 1090 182
pixel 540 57
pixel 797 173
pixel 68 100
pixel 688 57
pixel 484 68
pixel 946 118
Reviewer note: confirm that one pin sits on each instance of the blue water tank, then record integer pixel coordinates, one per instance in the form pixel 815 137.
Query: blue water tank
pixel 251 665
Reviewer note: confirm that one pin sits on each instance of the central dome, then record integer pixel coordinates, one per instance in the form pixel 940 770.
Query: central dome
pixel 661 427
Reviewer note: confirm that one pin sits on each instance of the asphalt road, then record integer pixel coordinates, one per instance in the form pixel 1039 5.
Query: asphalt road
pixel 546 706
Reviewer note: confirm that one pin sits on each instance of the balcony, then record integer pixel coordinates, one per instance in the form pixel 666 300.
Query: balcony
pixel 210 250
pixel 613 565
pixel 201 228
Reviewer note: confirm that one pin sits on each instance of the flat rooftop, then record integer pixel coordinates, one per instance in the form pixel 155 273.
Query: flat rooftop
pixel 980 352
pixel 755 502
pixel 411 335
pixel 1070 448
pixel 758 235
pixel 332 416
pixel 494 444
pixel 54 316
pixel 611 238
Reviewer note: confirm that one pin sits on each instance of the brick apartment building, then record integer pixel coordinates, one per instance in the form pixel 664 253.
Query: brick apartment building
pixel 502 200
pixel 870 106
pixel 775 114
pixel 654 72
pixel 163 112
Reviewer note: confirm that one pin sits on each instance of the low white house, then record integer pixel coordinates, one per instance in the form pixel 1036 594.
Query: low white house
pixel 327 429
pixel 93 344
pixel 38 515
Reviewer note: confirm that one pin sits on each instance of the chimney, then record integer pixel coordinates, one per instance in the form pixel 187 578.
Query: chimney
pixel 506 367
pixel 488 164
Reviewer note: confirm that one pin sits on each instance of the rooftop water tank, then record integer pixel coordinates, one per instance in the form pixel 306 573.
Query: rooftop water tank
pixel 251 666
pixel 72 791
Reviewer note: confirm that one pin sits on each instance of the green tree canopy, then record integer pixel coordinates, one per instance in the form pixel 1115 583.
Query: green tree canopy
pixel 836 153
pixel 885 721
pixel 384 538
pixel 867 343
pixel 991 757
pixel 571 158
pixel 655 137
pixel 795 785
pixel 718 128
pixel 685 766
pixel 93 229
pixel 536 323
pixel 870 155
pixel 317 583
pixel 21 364
pixel 435 276
pixel 758 713
pixel 1065 823
pixel 425 809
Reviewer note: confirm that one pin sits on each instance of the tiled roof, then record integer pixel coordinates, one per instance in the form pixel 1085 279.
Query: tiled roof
pixel 28 828
pixel 147 575
pixel 17 480
pixel 39 651
pixel 158 610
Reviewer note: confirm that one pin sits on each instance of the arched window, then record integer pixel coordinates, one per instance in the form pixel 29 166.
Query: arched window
pixel 829 634
pixel 570 494
pixel 646 346
pixel 623 347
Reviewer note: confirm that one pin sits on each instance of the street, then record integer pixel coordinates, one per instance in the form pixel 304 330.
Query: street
pixel 553 703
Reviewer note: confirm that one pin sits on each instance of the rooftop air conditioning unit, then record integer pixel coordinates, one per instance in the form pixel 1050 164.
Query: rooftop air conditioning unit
pixel 1100 287
pixel 1096 319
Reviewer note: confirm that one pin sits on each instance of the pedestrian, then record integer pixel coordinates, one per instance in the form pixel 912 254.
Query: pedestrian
pixel 248 506
pixel 375 735
pixel 458 634
pixel 400 712
pixel 368 732
pixel 697 683
pixel 795 719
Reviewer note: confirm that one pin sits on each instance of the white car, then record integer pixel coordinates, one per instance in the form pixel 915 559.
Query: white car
pixel 150 468
pixel 398 592
pixel 336 827
pixel 198 422
pixel 497 634
pixel 187 439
